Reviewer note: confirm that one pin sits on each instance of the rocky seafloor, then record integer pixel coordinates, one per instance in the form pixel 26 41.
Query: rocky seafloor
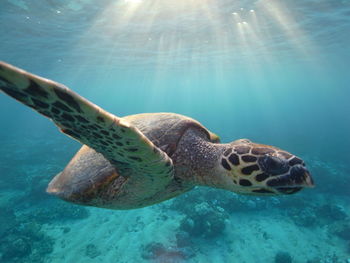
pixel 204 225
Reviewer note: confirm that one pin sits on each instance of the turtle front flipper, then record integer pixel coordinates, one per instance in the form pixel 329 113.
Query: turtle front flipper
pixel 118 141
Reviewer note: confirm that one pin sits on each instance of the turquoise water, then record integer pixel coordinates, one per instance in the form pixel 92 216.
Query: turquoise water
pixel 276 72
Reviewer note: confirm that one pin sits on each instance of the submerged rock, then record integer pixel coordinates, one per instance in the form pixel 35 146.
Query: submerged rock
pixel 157 252
pixel 91 251
pixel 283 257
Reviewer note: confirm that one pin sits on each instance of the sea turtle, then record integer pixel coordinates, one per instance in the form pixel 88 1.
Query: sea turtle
pixel 144 159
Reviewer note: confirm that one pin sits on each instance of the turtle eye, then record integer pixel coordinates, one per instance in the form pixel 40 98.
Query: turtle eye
pixel 273 165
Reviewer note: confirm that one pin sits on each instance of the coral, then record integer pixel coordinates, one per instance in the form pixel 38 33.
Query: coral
pixel 25 241
pixel 234 203
pixel 7 220
pixel 283 257
pixel 295 201
pixel 331 258
pixel 237 203
pixel 151 250
pixel 92 251
pixel 15 247
pixel 341 229
pixel 21 237
pixel 229 201
pixel 183 239
pixel 159 253
pixel 331 212
pixel 204 221
pixel 302 217
pixel 318 214
pixel 184 203
pixel 58 210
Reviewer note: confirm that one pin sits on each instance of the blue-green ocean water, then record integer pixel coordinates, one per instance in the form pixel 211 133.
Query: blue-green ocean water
pixel 276 72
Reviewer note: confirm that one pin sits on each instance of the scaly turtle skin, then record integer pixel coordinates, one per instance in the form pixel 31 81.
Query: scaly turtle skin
pixel 144 159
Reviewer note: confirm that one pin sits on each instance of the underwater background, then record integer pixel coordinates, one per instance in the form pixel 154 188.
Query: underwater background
pixel 276 72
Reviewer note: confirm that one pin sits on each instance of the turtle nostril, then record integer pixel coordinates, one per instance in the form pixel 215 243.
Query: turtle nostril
pixel 273 165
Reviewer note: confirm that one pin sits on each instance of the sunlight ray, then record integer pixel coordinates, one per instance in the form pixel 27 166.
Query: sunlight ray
pixel 190 34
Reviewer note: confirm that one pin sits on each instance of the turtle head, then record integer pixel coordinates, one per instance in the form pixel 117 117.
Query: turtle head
pixel 258 169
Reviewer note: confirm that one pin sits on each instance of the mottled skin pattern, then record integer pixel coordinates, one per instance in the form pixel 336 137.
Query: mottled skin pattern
pixel 143 159
pixel 240 166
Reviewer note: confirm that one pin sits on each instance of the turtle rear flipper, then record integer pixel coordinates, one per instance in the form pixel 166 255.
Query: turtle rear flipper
pixel 122 144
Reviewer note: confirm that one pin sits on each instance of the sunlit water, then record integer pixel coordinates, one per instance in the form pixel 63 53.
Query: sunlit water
pixel 276 72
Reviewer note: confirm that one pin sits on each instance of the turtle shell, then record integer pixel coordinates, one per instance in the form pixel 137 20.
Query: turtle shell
pixel 166 129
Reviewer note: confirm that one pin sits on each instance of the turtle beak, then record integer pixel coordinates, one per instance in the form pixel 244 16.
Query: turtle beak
pixel 296 179
pixel 301 176
pixel 308 181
